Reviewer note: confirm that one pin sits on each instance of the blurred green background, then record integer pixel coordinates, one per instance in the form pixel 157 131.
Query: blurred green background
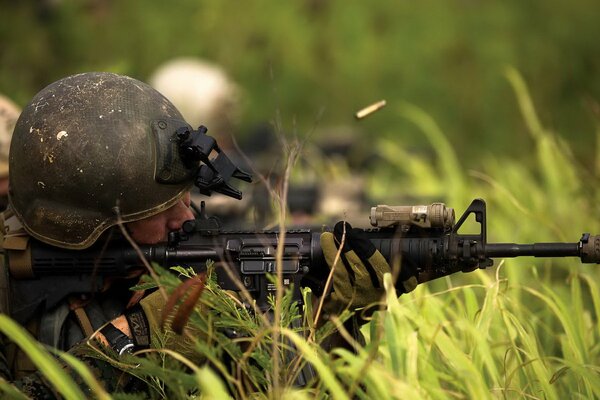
pixel 319 61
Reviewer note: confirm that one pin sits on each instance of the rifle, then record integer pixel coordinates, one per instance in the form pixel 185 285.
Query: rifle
pixel 425 238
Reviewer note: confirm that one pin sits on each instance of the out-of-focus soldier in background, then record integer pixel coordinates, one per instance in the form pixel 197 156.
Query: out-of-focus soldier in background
pixel 343 156
pixel 202 92
pixel 9 113
pixel 327 182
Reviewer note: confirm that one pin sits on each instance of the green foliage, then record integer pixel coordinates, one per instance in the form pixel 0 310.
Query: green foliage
pixel 235 341
pixel 46 364
pixel 530 331
pixel 300 57
pixel 448 351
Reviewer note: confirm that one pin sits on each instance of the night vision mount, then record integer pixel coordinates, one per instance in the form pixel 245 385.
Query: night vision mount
pixel 214 174
pixel 183 153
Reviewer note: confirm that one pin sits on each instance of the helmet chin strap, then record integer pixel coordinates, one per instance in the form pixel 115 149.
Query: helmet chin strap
pixel 211 174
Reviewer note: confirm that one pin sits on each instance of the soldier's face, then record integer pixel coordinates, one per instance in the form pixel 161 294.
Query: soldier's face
pixel 155 229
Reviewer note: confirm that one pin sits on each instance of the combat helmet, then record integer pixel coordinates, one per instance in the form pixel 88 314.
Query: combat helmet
pixel 92 149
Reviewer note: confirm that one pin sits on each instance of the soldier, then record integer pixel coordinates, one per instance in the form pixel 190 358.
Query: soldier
pixel 82 160
pixel 9 113
pixel 88 154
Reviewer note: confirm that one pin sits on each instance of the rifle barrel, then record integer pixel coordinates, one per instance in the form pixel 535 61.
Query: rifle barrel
pixel 507 250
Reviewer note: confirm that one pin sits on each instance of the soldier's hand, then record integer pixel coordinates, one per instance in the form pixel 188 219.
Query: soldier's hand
pixel 159 322
pixel 358 270
pixel 167 319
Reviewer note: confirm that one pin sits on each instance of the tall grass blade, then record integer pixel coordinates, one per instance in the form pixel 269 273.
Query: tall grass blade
pixel 87 376
pixel 448 161
pixel 47 365
pixel 327 376
pixel 211 385
pixel 9 392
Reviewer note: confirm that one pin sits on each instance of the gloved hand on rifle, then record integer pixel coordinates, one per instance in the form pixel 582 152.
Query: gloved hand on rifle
pixel 358 270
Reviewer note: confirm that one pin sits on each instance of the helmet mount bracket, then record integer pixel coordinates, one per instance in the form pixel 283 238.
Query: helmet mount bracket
pixel 211 174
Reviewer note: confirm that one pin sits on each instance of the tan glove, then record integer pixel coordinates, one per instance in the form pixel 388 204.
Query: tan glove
pixel 167 319
pixel 358 273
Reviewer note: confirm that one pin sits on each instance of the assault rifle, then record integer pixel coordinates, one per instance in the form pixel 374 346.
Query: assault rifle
pixel 423 237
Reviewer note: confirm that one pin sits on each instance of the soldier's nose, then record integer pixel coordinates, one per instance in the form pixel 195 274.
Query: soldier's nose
pixel 180 213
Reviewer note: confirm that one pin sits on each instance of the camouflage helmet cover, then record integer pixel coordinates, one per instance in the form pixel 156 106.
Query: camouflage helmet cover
pixel 9 113
pixel 86 151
